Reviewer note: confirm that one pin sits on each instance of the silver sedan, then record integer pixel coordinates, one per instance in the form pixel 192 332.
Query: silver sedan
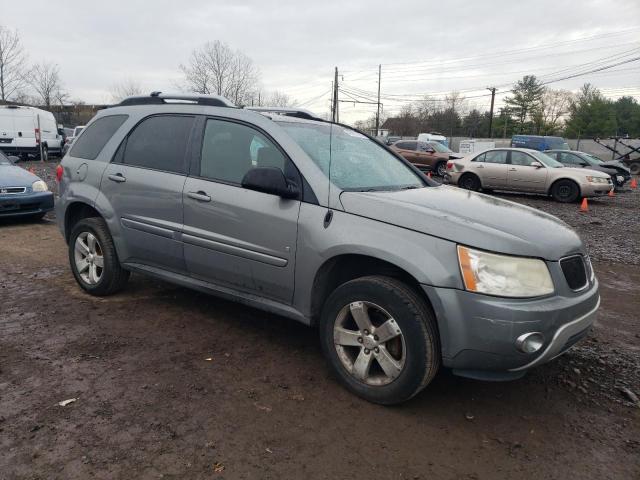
pixel 525 170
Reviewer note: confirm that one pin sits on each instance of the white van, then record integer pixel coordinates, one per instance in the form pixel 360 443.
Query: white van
pixel 433 137
pixel 19 134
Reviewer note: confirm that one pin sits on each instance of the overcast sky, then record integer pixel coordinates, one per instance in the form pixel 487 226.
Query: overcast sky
pixel 424 47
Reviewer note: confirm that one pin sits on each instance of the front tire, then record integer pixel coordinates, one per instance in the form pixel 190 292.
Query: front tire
pixel 441 169
pixel 93 258
pixel 565 191
pixel 380 339
pixel 45 154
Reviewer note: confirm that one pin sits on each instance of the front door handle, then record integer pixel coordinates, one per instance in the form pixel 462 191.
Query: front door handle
pixel 513 169
pixel 480 166
pixel 199 195
pixel 118 177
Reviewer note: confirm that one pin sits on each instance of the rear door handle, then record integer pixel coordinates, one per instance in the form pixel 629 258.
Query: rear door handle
pixel 513 169
pixel 480 166
pixel 118 177
pixel 199 195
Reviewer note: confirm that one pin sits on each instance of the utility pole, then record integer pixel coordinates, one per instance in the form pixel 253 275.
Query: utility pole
pixel 334 114
pixel 493 96
pixel 506 120
pixel 378 110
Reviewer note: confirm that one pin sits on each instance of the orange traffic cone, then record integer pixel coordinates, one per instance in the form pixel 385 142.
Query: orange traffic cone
pixel 611 193
pixel 634 183
pixel 584 207
pixel 31 170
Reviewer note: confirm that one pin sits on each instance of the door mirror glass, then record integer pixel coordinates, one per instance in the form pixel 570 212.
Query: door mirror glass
pixel 270 180
pixel 13 159
pixel 536 164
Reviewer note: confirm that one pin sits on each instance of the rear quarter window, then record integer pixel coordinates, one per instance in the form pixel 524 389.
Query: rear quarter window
pixel 89 145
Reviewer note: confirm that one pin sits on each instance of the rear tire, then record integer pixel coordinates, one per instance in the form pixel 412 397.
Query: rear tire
pixel 393 358
pixel 565 191
pixel 469 181
pixel 93 258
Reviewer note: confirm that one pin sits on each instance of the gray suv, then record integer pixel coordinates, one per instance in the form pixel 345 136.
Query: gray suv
pixel 317 222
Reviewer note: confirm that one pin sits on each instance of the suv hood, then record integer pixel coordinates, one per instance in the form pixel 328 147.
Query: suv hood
pixel 469 218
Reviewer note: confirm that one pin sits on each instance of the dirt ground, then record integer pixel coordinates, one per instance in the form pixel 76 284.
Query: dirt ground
pixel 171 383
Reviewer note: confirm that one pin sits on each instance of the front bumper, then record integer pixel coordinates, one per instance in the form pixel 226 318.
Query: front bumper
pixel 25 204
pixel 595 189
pixel 478 332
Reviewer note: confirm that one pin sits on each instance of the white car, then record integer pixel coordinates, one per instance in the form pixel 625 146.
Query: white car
pixel 71 138
pixel 23 129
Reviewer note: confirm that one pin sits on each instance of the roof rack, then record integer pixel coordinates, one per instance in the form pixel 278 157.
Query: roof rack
pixel 287 111
pixel 157 98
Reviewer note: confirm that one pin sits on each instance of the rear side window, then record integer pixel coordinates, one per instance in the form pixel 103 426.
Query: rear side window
pixel 159 143
pixel 91 143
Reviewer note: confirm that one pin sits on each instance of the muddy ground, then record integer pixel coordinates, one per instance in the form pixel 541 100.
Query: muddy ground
pixel 171 383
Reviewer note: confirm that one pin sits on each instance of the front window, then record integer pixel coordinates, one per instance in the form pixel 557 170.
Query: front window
pixel 351 160
pixel 592 159
pixel 546 160
pixel 440 148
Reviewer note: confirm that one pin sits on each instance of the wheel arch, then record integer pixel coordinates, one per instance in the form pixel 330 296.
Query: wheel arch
pixel 75 212
pixel 345 267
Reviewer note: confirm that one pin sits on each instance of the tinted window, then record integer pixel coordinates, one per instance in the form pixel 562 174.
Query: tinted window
pixel 497 156
pixel 91 143
pixel 569 158
pixel 521 158
pixel 230 150
pixel 159 143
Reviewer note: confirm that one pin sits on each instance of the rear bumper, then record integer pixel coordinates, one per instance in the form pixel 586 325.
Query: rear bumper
pixel 30 204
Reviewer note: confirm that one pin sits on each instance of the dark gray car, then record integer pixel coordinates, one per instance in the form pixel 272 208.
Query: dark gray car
pixel 618 172
pixel 317 222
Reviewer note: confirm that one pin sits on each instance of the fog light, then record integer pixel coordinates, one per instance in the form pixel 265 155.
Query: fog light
pixel 530 342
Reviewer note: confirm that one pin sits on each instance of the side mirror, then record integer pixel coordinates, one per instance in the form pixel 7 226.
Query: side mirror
pixel 270 180
pixel 13 159
pixel 536 164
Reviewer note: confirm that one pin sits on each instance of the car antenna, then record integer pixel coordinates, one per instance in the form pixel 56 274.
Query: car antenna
pixel 329 215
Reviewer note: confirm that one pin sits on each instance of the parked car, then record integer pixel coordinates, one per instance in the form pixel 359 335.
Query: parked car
pixel 526 170
pixel 70 139
pixel 317 222
pixel 22 193
pixel 540 143
pixel 426 156
pixel 391 139
pixel 618 172
pixel 20 135
pixel 433 137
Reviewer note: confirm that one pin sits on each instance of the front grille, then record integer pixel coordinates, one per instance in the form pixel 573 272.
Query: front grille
pixel 574 272
pixel 4 190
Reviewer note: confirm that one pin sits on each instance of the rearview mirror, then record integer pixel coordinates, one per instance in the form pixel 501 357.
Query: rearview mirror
pixel 270 180
pixel 536 164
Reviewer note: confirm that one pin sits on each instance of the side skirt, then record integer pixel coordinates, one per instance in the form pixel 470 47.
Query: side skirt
pixel 227 293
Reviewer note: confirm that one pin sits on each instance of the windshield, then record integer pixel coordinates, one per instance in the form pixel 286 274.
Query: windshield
pixel 4 160
pixel 592 159
pixel 546 159
pixel 438 147
pixel 357 163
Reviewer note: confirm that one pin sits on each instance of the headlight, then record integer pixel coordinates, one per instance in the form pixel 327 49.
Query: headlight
pixel 503 275
pixel 39 186
pixel 591 179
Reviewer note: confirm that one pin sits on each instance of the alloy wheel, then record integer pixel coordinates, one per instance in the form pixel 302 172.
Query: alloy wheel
pixel 369 343
pixel 88 258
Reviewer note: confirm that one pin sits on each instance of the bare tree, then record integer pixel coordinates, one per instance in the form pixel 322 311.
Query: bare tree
pixel 279 99
pixel 12 64
pixel 45 81
pixel 553 107
pixel 126 88
pixel 215 68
